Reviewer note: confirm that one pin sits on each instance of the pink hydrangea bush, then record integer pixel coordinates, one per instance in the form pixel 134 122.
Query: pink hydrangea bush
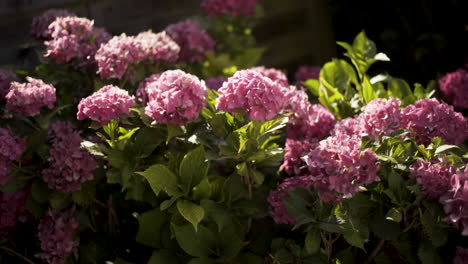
pixel 6 78
pixel 295 151
pixel 348 126
pixel 272 73
pixel 11 149
pixel 74 38
pixel 142 91
pixel 229 7
pixel 214 83
pixel 193 41
pixel 429 118
pixel 109 103
pixel 316 123
pixel 381 117
pixel 175 97
pixel 455 201
pixel 40 24
pixel 69 164
pixel 277 197
pixel 434 177
pixel 305 72
pixel 12 211
pixel 251 92
pixel 454 87
pixel 28 98
pixel 56 235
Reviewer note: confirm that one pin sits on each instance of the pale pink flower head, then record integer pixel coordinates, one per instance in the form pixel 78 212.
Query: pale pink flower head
pixel 175 97
pixel 429 118
pixel 434 177
pixel 11 149
pixel 277 198
pixel 272 73
pixel 380 117
pixel 142 90
pixel 105 105
pixel 214 83
pixel 228 7
pixel 305 72
pixel 57 236
pixel 348 126
pixel 157 46
pixel 454 87
pixel 6 78
pixel 40 24
pixel 28 98
pixel 455 202
pixel 194 42
pixel 69 164
pixel 251 92
pixel 461 256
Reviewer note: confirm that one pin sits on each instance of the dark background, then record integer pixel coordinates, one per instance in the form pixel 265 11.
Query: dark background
pixel 423 38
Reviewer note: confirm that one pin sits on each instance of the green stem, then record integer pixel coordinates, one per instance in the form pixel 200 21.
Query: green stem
pixel 11 251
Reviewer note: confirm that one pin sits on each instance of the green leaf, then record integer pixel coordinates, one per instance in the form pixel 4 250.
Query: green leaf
pixel 313 86
pixel 202 190
pixel 59 201
pixel 368 90
pixel 40 191
pixel 149 228
pixel 121 261
pixel 400 89
pixel 312 241
pixel 364 46
pixel 383 228
pixel 428 254
pixel 201 261
pixel 34 208
pixel 191 212
pixel 174 131
pixel 219 214
pixel 432 228
pixel 147 140
pixel 160 178
pixel 193 168
pixel 394 215
pixel 163 257
pixel 444 148
pixel 196 243
pixel 84 196
pixel 233 188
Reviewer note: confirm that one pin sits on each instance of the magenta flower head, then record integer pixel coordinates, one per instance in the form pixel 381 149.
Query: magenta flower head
pixel 105 105
pixel 251 92
pixel 194 42
pixel 305 72
pixel 12 211
pixel 274 74
pixel 56 234
pixel 429 118
pixel 461 256
pixel 6 78
pixel 434 177
pixel 455 202
pixel 228 7
pixel 74 38
pixel 454 87
pixel 214 83
pixel 11 149
pixel 296 150
pixel 315 123
pixel 28 98
pixel 277 198
pixel 69 164
pixel 40 24
pixel 175 97
pixel 142 90
pixel 338 167
pixel 381 117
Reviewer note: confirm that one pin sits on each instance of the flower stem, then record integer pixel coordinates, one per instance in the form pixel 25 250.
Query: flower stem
pixel 11 251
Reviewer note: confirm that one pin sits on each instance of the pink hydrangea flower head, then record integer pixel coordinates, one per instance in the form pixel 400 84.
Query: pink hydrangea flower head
pixel 40 24
pixel 28 98
pixel 314 122
pixel 296 149
pixel 194 42
pixel 455 202
pixel 338 167
pixel 228 7
pixel 251 92
pixel 157 46
pixel 454 87
pixel 6 78
pixel 142 90
pixel 12 211
pixel 434 177
pixel 274 74
pixel 380 117
pixel 214 83
pixel 74 38
pixel 461 256
pixel 277 198
pixel 429 118
pixel 56 234
pixel 69 164
pixel 106 104
pixel 348 126
pixel 305 72
pixel 11 149
pixel 175 97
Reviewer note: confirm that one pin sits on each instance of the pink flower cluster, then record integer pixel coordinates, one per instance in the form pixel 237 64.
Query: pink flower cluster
pixel 69 164
pixel 276 198
pixel 348 126
pixel 74 38
pixel 429 118
pixel 381 117
pixel 194 42
pixel 40 24
pixel 12 211
pixel 257 95
pixel 106 104
pixel 142 90
pixel 454 87
pixel 461 256
pixel 28 98
pixel 455 201
pixel 175 97
pixel 11 149
pixel 305 72
pixel 228 7
pixel 118 54
pixel 296 150
pixel 434 177
pixel 338 167
pixel 6 78
pixel 214 83
pixel 315 123
pixel 56 234
pixel 274 74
